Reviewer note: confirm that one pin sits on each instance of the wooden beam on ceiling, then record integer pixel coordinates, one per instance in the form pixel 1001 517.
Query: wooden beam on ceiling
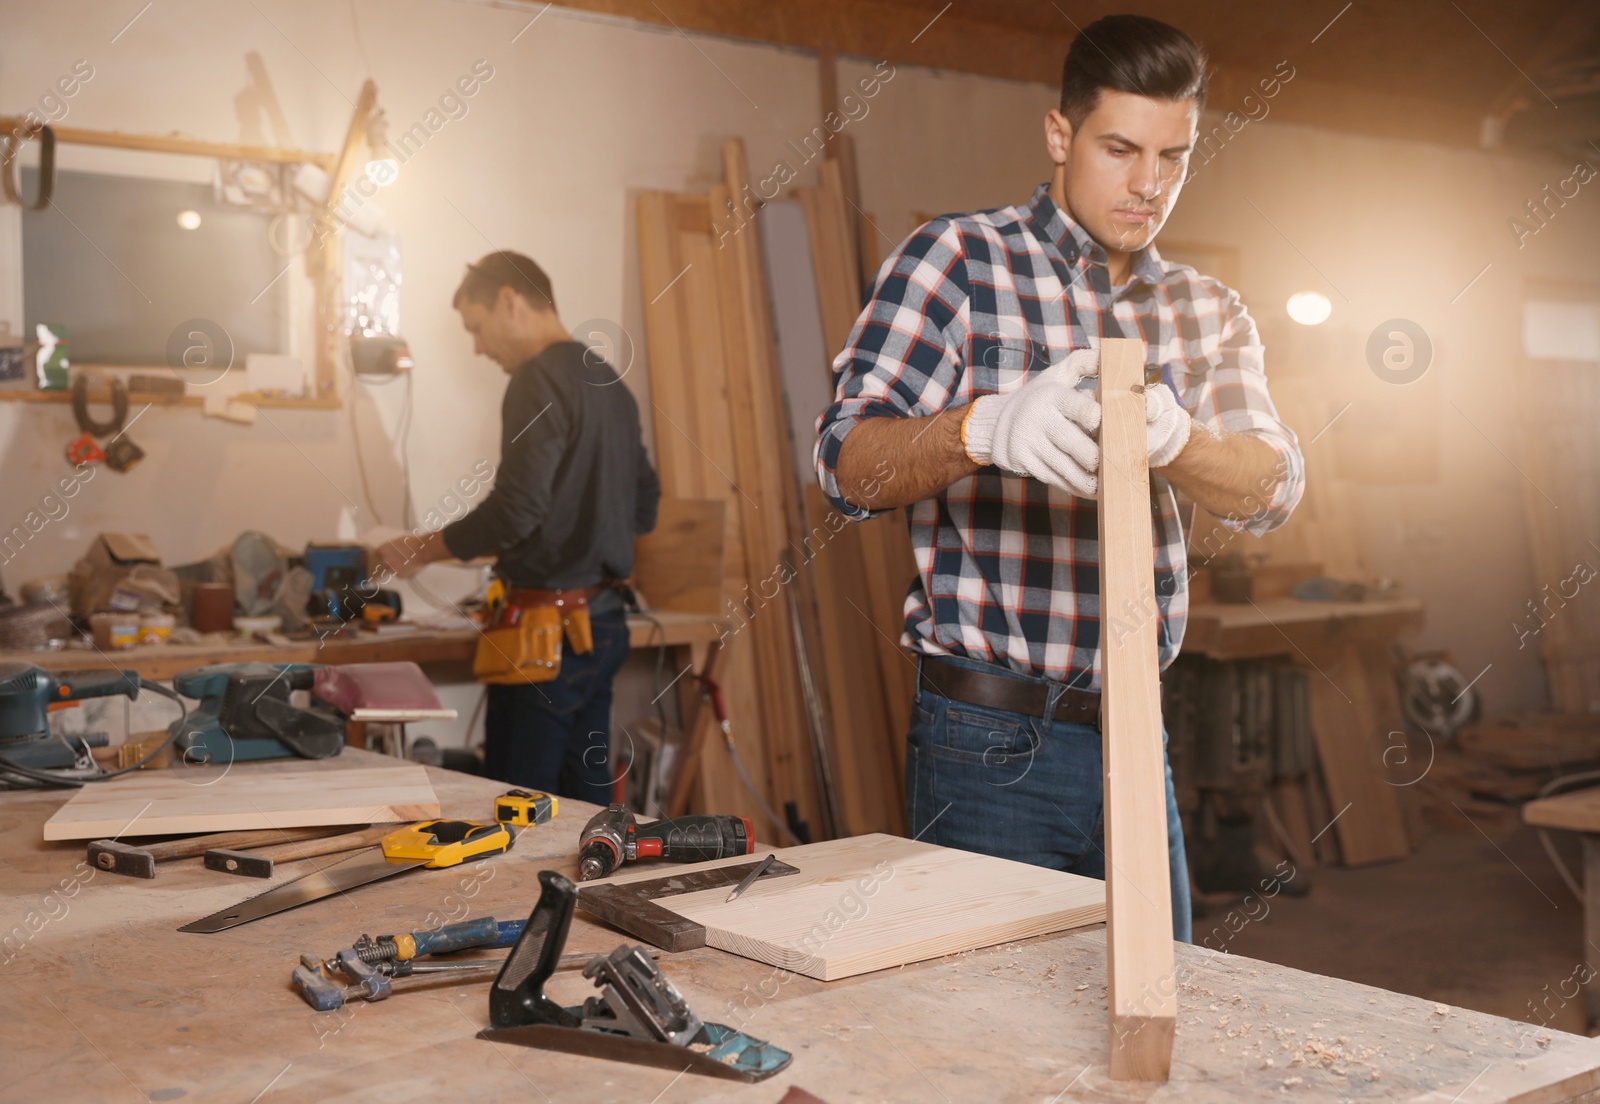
pixel 959 42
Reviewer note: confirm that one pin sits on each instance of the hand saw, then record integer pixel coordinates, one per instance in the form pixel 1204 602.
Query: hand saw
pixel 432 843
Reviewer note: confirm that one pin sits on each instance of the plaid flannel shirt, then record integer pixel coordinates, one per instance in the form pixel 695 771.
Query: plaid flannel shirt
pixel 977 304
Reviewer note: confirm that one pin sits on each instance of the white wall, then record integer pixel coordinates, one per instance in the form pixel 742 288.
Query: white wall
pixel 582 113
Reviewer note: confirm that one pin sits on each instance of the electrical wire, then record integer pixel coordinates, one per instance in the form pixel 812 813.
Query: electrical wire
pixel 1544 837
pixel 355 441
pixel 738 765
pixel 654 786
pixel 408 511
pixel 64 781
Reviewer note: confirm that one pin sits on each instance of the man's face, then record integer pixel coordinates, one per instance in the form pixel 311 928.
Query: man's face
pixel 1124 166
pixel 491 328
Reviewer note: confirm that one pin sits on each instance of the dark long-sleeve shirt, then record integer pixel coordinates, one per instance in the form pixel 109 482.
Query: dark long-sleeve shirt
pixel 574 486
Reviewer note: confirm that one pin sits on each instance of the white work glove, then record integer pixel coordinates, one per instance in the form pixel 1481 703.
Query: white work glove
pixel 1045 428
pixel 1167 425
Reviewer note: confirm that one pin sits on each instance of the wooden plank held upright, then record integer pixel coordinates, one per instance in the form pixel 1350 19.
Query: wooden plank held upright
pixel 1140 960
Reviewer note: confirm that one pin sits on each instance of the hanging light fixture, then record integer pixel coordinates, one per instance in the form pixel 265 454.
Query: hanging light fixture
pixel 382 169
pixel 1309 308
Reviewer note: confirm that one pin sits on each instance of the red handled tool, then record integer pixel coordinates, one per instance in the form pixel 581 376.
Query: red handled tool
pixel 614 837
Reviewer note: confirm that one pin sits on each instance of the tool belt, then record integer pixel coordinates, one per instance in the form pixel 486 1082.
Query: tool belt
pixel 1013 694
pixel 523 630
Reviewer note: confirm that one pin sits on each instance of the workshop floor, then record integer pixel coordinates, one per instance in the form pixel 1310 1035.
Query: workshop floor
pixel 1469 919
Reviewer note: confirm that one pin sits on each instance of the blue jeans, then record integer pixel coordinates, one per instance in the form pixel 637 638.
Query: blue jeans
pixel 556 736
pixel 1019 787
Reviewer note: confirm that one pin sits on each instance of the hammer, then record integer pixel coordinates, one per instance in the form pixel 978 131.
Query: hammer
pixel 133 861
pixel 260 862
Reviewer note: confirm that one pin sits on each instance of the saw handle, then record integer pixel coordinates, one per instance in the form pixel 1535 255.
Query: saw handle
pixel 77 685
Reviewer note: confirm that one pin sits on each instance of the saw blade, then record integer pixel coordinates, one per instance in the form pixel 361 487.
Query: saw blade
pixel 355 871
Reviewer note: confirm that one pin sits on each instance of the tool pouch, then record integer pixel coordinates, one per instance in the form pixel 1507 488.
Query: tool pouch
pixel 522 646
pixel 575 620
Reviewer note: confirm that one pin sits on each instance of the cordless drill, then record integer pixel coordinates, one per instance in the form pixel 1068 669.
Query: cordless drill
pixel 613 837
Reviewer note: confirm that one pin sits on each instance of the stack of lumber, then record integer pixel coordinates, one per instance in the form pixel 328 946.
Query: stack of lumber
pixel 817 688
pixel 865 570
pixel 719 429
pixel 1560 462
pixel 1495 766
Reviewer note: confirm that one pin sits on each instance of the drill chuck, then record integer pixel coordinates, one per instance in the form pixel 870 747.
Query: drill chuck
pixel 599 858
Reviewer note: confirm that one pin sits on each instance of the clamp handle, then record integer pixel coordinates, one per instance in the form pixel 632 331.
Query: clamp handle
pixel 517 998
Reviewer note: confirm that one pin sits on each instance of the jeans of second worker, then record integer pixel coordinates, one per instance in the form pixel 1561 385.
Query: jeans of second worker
pixel 1019 787
pixel 556 736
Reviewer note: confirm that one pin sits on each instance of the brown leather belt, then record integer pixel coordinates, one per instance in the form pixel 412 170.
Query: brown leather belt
pixel 1015 695
pixel 530 597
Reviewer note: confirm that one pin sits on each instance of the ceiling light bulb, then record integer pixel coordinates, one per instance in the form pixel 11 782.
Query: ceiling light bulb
pixel 189 220
pixel 383 171
pixel 1309 308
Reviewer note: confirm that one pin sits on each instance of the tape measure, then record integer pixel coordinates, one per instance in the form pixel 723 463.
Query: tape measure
pixel 524 808
pixel 447 842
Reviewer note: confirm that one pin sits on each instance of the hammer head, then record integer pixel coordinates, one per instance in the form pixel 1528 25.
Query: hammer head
pixel 122 858
pixel 238 862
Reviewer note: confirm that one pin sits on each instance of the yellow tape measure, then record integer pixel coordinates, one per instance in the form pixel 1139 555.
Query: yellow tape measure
pixel 447 842
pixel 524 808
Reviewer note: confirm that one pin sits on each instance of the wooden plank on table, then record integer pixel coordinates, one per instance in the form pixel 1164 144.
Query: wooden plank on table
pixel 1143 991
pixel 234 798
pixel 1345 727
pixel 871 902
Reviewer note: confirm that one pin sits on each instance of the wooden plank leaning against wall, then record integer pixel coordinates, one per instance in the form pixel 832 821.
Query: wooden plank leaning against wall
pixel 716 419
pixel 865 569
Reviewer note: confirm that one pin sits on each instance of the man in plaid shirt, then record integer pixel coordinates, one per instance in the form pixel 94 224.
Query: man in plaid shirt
pixel 966 393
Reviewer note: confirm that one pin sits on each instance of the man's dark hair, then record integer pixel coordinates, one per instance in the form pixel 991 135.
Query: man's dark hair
pixel 1130 53
pixel 483 281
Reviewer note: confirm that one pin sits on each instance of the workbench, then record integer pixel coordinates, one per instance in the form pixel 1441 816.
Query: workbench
pixel 1304 629
pixel 158 662
pixel 108 1002
pixel 1346 646
pixel 1579 811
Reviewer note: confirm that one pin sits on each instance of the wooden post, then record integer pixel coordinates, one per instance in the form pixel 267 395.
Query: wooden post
pixel 1140 962
pixel 323 252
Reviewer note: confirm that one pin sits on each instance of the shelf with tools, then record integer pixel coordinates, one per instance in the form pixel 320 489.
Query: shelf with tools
pixel 143 398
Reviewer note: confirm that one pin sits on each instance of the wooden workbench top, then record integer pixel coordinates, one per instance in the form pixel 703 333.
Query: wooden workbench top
pixel 1576 811
pixel 162 661
pixel 108 1002
pixel 1272 626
